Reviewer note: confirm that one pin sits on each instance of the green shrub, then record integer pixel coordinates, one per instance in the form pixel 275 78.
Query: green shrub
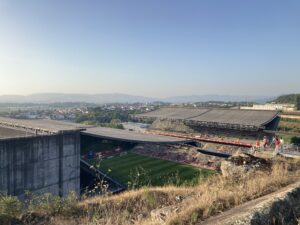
pixel 5 219
pixel 43 203
pixel 51 204
pixel 295 140
pixel 10 207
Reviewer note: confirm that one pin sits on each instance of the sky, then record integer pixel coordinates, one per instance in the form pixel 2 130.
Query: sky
pixel 157 48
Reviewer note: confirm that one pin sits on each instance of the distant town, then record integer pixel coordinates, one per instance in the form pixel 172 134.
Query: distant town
pixel 70 111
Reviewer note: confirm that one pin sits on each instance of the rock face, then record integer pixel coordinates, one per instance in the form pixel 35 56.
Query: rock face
pixel 243 163
pixel 280 208
pixel 171 125
pixel 229 169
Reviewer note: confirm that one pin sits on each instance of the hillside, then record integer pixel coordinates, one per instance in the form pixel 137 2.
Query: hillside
pixel 158 205
pixel 289 99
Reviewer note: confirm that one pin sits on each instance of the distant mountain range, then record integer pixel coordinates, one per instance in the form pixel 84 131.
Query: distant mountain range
pixel 46 98
pixel 221 98
pixel 58 98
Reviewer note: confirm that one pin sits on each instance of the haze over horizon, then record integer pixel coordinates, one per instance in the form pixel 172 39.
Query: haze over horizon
pixel 148 96
pixel 150 48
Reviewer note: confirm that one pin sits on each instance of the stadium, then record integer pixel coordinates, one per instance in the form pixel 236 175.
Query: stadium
pixel 54 156
pixel 47 156
pixel 130 159
pixel 228 122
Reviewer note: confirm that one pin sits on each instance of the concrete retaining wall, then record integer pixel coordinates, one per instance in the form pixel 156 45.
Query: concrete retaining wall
pixel 40 164
pixel 280 208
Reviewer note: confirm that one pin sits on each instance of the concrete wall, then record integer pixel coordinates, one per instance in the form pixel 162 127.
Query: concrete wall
pixel 40 164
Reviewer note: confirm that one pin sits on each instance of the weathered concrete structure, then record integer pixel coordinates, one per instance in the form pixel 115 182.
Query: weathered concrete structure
pixel 47 162
pixel 280 207
pixel 43 156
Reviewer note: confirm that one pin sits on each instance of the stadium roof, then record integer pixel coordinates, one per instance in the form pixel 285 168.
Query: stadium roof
pixel 131 136
pixel 15 128
pixel 48 126
pixel 175 113
pixel 7 133
pixel 243 117
pixel 253 118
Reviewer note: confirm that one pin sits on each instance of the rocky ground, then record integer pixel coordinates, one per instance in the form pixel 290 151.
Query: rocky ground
pixel 179 153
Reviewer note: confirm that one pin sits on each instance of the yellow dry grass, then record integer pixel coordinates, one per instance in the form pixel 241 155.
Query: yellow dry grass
pixel 161 205
pixel 183 205
pixel 220 194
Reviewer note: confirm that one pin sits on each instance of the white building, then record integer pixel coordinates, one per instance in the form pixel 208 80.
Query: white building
pixel 272 106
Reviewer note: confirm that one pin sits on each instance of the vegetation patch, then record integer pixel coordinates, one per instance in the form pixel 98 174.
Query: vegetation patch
pixel 289 99
pixel 289 125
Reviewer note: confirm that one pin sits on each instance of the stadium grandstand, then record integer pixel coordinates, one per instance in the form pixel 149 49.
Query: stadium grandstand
pixel 204 119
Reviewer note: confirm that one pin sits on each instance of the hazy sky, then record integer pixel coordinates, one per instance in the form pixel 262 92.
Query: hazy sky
pixel 150 47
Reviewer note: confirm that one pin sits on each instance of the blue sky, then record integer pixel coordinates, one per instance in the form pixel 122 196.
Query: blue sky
pixel 153 48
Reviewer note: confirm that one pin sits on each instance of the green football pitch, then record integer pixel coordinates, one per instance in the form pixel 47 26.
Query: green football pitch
pixel 143 170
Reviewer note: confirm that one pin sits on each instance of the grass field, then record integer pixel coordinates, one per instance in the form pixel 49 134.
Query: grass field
pixel 141 170
pixel 289 129
pixel 289 125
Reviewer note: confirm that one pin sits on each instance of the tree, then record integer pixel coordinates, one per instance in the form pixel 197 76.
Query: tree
pixel 295 140
pixel 298 103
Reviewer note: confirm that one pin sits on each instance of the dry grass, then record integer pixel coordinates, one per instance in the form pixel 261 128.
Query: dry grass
pixel 229 193
pixel 131 207
pixel 186 205
pixel 178 205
